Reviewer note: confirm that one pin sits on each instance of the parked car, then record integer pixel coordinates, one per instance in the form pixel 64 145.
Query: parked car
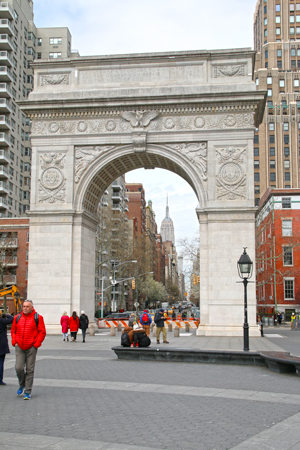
pixel 115 316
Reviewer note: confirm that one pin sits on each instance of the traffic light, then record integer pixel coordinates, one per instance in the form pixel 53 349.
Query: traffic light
pixel 133 283
pixel 198 279
pixel 194 279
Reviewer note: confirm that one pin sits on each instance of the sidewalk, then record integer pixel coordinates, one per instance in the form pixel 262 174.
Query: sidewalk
pixel 85 399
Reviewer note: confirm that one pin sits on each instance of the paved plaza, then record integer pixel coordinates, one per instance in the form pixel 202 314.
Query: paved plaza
pixel 84 398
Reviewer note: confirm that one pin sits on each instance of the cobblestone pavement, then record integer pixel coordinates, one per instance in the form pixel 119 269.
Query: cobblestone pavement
pixel 84 398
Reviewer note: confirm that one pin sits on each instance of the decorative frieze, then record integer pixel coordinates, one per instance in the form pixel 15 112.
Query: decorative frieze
pixel 230 176
pixel 230 70
pixel 52 182
pixel 84 156
pixel 54 79
pixel 150 120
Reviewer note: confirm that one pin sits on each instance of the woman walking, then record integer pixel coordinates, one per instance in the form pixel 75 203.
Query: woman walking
pixel 5 319
pixel 73 325
pixel 64 321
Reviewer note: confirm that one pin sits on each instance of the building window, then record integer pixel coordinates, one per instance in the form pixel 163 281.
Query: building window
pixel 279 54
pixel 296 83
pixel 55 41
pixel 266 56
pixel 26 255
pixel 286 126
pixel 292 7
pixel 265 9
pixel 271 126
pixel 27 236
pixel 278 31
pixel 277 19
pixel 287 176
pixel 293 52
pixel 292 31
pixel 272 164
pixel 257 202
pixel 270 104
pixel 256 164
pixel 287 164
pixel 292 19
pixel 54 55
pixel 287 256
pixel 297 18
pixel 269 92
pixel 273 176
pixel 257 81
pixel 256 151
pixel 39 55
pixel 265 21
pixel 293 63
pixel 286 228
pixel 272 139
pixel 256 139
pixel 277 8
pixel 286 139
pixel 286 151
pixel 257 189
pixel 256 177
pixel 286 202
pixel 272 151
pixel 289 289
pixel 39 42
pixel 279 64
pixel 298 30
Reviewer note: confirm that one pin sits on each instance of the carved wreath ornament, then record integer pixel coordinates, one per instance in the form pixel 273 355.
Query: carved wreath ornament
pixel 52 183
pixel 231 179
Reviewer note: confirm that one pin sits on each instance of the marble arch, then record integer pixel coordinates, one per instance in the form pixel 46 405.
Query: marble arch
pixel 93 118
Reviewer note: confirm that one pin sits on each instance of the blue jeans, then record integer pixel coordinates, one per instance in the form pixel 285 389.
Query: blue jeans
pixel 83 334
pixel 2 358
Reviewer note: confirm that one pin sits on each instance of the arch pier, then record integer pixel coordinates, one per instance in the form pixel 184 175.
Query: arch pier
pixel 95 118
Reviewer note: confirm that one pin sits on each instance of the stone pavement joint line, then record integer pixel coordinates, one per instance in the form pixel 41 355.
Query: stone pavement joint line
pixel 15 441
pixel 257 396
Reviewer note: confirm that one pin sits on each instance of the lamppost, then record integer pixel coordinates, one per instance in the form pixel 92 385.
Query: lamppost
pixel 245 267
pixel 114 279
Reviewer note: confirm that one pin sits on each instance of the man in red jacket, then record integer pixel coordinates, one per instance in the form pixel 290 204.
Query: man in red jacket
pixel 27 334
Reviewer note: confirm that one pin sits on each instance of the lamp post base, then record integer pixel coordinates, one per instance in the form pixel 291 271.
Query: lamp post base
pixel 246 337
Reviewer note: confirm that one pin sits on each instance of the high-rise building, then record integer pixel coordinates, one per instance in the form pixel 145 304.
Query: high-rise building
pixel 20 43
pixel 167 227
pixel 277 70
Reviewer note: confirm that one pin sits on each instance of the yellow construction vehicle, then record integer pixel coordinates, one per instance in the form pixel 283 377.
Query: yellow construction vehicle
pixel 14 291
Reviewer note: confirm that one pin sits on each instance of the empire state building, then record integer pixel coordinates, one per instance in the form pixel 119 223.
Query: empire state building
pixel 167 227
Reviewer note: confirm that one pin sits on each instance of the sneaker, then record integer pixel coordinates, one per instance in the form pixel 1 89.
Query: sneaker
pixel 27 396
pixel 20 391
pixel 166 342
pixel 2 383
pixel 131 345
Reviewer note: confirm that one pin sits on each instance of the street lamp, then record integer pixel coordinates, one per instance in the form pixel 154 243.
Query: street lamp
pixel 245 267
pixel 114 279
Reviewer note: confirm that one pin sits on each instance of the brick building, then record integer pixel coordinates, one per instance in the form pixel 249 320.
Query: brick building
pixel 14 240
pixel 278 252
pixel 136 207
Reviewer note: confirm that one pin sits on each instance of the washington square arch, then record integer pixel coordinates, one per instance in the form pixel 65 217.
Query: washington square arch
pixel 95 118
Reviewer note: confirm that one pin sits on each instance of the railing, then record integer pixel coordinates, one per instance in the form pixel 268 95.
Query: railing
pixel 10 279
pixel 3 168
pixel 9 261
pixel 4 119
pixel 8 242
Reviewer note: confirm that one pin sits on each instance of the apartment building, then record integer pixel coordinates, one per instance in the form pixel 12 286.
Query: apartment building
pixel 20 43
pixel 136 207
pixel 278 252
pixel 277 70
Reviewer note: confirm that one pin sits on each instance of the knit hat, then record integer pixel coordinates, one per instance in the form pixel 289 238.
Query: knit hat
pixel 161 310
pixel 82 312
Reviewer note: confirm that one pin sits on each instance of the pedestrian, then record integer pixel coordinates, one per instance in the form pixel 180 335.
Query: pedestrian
pixel 279 318
pixel 174 315
pixel 146 321
pixel 64 321
pixel 131 320
pixel 83 324
pixel 159 320
pixel 27 334
pixel 73 325
pixel 5 319
pixel 293 317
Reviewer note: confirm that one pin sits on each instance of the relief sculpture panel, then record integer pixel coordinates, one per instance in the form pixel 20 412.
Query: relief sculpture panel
pixel 230 176
pixel 52 182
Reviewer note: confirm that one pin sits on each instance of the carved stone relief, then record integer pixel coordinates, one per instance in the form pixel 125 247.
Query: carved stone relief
pixel 84 156
pixel 230 70
pixel 230 177
pixel 139 141
pixel 152 122
pixel 54 79
pixel 196 153
pixel 52 182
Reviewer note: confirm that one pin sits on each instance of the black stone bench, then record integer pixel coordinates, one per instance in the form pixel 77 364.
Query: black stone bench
pixel 280 362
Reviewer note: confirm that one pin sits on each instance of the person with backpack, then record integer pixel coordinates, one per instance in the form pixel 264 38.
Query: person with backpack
pixel 83 324
pixel 145 321
pixel 27 334
pixel 5 319
pixel 159 320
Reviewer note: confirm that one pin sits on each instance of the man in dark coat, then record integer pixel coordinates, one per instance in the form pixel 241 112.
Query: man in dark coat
pixel 83 324
pixel 159 320
pixel 5 319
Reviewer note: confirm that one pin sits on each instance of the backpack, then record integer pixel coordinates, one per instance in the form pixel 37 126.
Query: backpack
pixel 157 317
pixel 145 318
pixel 36 319
pixel 143 340
pixel 125 341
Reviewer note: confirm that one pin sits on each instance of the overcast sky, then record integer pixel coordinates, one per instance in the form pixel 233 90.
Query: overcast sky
pixel 103 27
